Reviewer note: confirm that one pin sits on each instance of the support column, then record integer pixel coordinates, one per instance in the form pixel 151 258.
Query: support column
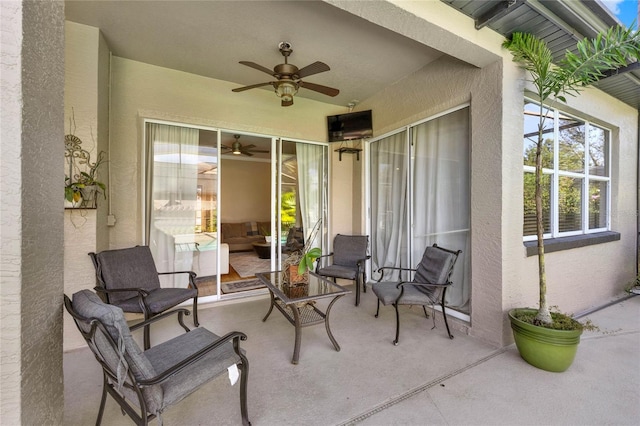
pixel 31 211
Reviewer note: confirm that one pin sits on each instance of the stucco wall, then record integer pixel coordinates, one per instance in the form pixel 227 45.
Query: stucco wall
pixel 245 191
pixel 145 91
pixel 86 116
pixel 31 222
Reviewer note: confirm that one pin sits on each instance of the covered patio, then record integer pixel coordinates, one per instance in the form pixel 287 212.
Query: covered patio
pixel 426 379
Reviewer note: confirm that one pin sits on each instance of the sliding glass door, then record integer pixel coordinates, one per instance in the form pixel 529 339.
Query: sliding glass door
pixel 420 195
pixel 226 205
pixel 302 176
pixel 181 200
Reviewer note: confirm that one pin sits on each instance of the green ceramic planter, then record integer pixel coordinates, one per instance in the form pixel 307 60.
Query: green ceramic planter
pixel 544 348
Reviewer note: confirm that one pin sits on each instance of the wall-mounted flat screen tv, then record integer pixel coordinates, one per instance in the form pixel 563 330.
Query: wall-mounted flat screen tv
pixel 353 125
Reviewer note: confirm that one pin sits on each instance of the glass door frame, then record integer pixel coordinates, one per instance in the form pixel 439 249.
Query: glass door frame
pixel 276 185
pixel 409 153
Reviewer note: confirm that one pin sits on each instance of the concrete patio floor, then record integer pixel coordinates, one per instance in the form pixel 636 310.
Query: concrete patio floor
pixel 426 379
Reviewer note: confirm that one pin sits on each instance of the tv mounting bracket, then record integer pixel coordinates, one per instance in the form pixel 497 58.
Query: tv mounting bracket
pixel 346 150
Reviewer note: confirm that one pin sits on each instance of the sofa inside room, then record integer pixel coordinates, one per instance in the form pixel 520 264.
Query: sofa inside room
pixel 241 235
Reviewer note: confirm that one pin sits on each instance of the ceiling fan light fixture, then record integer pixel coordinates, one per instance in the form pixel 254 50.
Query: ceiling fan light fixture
pixel 235 148
pixel 286 90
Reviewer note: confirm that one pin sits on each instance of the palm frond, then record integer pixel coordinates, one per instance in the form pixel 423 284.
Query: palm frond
pixel 615 48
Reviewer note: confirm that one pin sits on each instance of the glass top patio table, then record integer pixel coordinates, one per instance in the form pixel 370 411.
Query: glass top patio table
pixel 297 303
pixel 317 288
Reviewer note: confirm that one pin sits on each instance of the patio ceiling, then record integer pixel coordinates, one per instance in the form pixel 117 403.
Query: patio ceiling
pixel 561 24
pixel 209 38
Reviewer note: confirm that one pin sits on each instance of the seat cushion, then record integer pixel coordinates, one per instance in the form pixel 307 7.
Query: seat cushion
pixel 159 300
pixel 388 294
pixel 338 271
pixel 127 268
pixel 168 354
pixel 348 249
pixel 88 305
pixel 434 268
pixel 230 230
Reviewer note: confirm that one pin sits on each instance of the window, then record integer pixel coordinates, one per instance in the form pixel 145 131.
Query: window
pixel 576 174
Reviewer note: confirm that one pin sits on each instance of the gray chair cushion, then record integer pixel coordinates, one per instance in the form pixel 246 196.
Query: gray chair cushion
pixel 190 378
pixel 434 268
pixel 348 249
pixel 338 272
pixel 159 299
pixel 88 305
pixel 118 266
pixel 388 294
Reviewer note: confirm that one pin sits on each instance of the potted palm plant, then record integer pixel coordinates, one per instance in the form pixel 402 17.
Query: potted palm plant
pixel 544 339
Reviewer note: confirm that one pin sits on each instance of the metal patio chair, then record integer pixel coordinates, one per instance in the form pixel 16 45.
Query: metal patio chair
pixel 146 383
pixel 428 287
pixel 128 278
pixel 350 252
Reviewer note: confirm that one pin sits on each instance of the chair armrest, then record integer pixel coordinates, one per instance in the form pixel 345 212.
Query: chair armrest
pixel 234 336
pixel 424 284
pixel 180 311
pixel 325 255
pixel 318 260
pixel 382 270
pixel 361 262
pixel 141 292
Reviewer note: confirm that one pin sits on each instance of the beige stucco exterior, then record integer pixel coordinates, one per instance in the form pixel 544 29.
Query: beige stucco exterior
pixel 31 215
pixel 476 71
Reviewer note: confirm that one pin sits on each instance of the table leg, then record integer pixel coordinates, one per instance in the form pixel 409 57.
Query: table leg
pixel 298 327
pixel 326 323
pixel 273 302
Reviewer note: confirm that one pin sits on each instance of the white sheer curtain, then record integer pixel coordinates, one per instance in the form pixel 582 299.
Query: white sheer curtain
pixel 441 194
pixel 172 180
pixel 311 189
pixel 389 203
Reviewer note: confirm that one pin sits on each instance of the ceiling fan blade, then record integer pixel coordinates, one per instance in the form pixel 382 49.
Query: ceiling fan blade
pixel 257 67
pixel 287 103
pixel 247 153
pixel 260 151
pixel 253 86
pixel 329 91
pixel 315 68
pixel 247 146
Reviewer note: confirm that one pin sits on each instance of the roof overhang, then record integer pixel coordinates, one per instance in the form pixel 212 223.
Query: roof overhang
pixel 560 24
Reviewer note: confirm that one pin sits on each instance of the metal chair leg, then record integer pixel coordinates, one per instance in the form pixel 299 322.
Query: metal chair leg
pixel 445 318
pixel 244 375
pixel 378 309
pixel 195 312
pixel 147 338
pixel 103 400
pixel 395 342
pixel 424 308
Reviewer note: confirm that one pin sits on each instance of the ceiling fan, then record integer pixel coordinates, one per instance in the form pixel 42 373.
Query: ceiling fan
pixel 289 77
pixel 237 148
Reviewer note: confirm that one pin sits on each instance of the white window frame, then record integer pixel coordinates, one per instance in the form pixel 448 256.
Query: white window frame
pixel 556 173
